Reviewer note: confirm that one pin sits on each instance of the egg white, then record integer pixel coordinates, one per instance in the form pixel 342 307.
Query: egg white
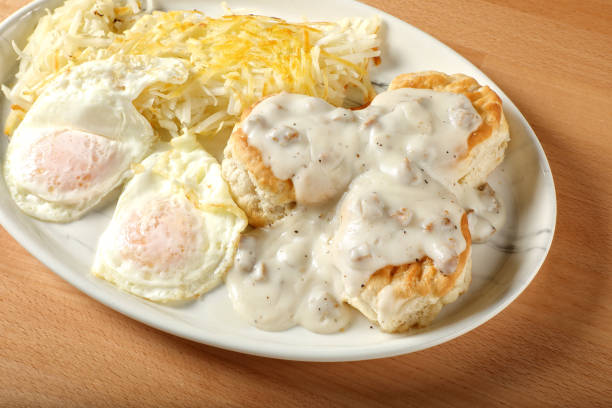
pixel 175 230
pixel 77 142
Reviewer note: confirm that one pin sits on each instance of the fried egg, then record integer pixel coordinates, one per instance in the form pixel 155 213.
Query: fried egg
pixel 175 230
pixel 78 140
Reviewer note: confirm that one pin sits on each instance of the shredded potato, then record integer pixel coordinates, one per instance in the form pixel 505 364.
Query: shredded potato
pixel 59 40
pixel 234 60
pixel 238 59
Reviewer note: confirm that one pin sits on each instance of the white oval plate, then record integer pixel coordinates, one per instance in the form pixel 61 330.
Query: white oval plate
pixel 502 268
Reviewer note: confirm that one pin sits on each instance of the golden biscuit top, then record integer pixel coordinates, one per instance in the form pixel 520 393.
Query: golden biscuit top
pixel 420 278
pixel 484 99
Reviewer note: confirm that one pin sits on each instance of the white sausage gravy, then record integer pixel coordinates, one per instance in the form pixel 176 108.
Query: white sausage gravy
pixel 374 187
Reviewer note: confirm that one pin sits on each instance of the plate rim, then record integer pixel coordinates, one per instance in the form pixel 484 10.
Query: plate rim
pixel 278 351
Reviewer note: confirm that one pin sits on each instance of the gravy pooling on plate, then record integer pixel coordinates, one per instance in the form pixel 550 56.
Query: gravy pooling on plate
pixel 373 188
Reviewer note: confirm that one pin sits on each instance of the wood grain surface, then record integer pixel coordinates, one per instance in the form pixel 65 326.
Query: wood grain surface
pixel 551 347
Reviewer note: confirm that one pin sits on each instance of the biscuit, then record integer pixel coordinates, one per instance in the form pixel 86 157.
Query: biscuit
pixel 487 144
pixel 256 190
pixel 266 198
pixel 405 297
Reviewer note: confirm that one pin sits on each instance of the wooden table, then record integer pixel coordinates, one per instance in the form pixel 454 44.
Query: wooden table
pixel 551 347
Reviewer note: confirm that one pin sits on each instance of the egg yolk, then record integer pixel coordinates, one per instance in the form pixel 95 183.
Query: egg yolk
pixel 162 236
pixel 69 160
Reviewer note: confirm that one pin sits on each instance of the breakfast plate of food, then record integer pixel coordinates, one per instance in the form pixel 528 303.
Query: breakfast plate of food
pixel 323 182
